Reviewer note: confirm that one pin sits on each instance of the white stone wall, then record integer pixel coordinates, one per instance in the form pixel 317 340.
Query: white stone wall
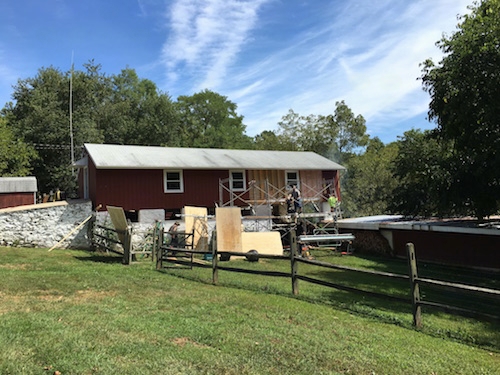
pixel 44 225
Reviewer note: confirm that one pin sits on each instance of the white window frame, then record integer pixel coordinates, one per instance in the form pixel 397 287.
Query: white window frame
pixel 232 179
pixel 165 181
pixel 289 182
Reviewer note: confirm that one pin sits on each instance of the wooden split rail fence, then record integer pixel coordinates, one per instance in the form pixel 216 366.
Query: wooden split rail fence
pixel 182 254
pixel 106 238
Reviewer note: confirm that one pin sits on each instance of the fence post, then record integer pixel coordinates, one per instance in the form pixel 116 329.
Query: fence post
pixel 215 271
pixel 91 231
pixel 414 288
pixel 127 246
pixel 294 263
pixel 154 240
pixel 158 249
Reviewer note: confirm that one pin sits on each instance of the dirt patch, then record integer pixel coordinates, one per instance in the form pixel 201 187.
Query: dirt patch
pixel 92 295
pixel 16 266
pixel 182 341
pixel 11 303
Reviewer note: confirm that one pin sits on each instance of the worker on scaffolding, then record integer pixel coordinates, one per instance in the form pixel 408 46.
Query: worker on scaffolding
pixel 289 204
pixel 297 199
pixel 333 202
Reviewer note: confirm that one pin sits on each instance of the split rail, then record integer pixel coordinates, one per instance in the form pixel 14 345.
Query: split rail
pixel 168 257
pixel 183 254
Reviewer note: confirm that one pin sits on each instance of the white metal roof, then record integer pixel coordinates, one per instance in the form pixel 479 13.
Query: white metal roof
pixel 18 184
pixel 107 156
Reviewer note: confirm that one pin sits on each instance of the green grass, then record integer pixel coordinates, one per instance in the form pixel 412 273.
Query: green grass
pixel 84 313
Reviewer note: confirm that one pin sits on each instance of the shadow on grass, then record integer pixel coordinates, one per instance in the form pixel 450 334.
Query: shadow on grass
pixel 100 258
pixel 363 304
pixel 452 273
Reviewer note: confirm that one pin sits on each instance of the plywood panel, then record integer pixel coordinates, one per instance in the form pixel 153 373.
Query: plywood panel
pixel 263 242
pixel 196 219
pixel 228 225
pixel 276 181
pixel 311 184
pixel 119 221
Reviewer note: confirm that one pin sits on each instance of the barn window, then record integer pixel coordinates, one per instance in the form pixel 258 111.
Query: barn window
pixel 173 182
pixel 237 179
pixel 292 178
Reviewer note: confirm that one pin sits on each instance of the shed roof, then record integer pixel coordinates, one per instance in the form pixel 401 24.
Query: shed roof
pixel 107 156
pixel 18 185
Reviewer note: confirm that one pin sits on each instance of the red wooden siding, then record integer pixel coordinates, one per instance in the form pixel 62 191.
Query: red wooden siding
pixel 16 199
pixel 143 189
pixel 136 189
pixel 473 250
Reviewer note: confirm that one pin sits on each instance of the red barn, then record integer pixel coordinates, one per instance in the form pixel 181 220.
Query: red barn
pixel 144 177
pixel 17 191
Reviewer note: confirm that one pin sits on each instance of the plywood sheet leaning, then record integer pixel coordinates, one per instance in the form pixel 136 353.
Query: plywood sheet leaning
pixel 119 221
pixel 195 219
pixel 264 242
pixel 228 225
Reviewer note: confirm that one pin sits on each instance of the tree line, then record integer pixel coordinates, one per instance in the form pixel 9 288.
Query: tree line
pixel 451 170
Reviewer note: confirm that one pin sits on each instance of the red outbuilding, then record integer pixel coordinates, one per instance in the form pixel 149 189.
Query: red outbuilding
pixel 17 191
pixel 145 177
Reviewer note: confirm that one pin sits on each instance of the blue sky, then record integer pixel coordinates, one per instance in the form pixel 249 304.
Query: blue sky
pixel 267 56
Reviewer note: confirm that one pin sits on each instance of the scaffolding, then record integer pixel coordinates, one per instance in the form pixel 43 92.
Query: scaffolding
pixel 265 207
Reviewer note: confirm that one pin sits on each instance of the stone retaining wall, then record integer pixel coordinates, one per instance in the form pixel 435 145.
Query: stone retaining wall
pixel 45 224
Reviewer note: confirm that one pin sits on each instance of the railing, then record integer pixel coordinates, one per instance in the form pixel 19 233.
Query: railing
pixel 105 238
pixel 418 302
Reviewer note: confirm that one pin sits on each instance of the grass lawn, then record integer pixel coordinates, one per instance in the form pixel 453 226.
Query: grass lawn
pixel 78 312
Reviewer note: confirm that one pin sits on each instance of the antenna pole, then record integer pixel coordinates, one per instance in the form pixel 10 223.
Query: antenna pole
pixel 71 116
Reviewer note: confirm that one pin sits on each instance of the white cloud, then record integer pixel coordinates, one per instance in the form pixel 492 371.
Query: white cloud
pixel 372 65
pixel 142 8
pixel 367 54
pixel 206 37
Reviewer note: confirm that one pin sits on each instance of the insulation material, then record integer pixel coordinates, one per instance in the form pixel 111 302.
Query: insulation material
pixel 119 221
pixel 195 219
pixel 311 185
pixel 268 243
pixel 228 224
pixel 275 179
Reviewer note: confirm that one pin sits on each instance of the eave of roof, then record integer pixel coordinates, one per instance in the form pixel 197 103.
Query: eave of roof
pixel 105 156
pixel 18 184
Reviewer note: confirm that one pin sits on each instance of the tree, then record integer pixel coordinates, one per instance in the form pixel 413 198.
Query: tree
pixel 304 133
pixel 40 119
pixel 423 173
pixel 134 111
pixel 121 109
pixel 210 120
pixel 269 140
pixel 333 136
pixel 15 155
pixel 465 102
pixel 349 130
pixel 369 181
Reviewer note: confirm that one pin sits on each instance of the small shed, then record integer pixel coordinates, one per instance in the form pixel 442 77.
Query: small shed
pixel 147 177
pixel 17 191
